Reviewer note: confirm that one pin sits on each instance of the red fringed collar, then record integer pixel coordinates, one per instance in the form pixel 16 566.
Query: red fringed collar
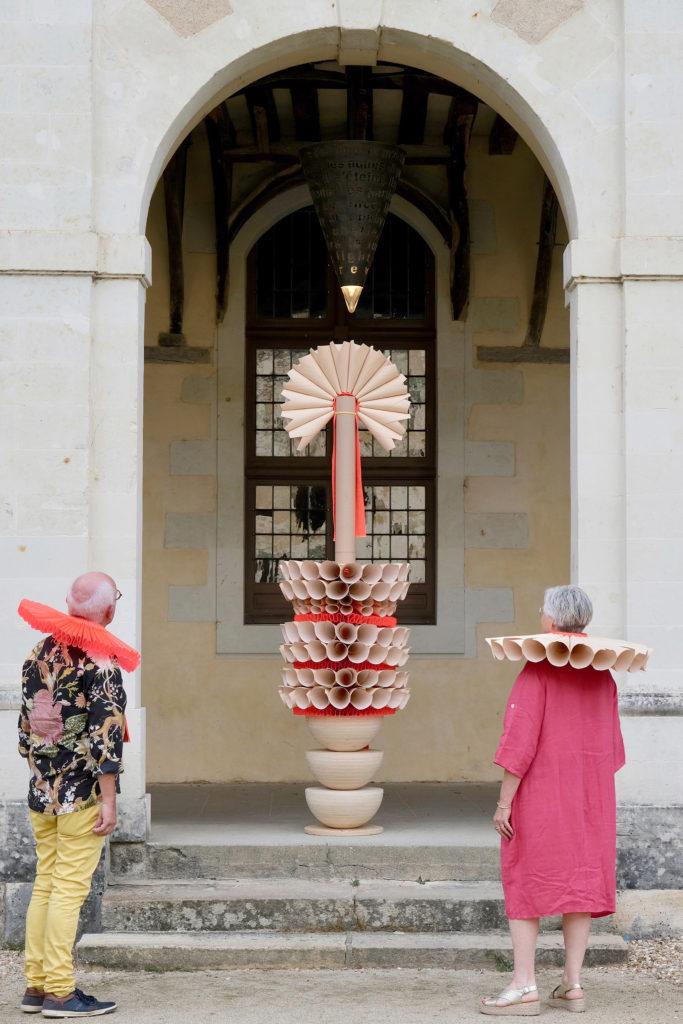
pixel 92 638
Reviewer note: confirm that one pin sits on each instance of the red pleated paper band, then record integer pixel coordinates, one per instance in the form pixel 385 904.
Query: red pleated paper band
pixel 357 620
pixel 331 712
pixel 326 663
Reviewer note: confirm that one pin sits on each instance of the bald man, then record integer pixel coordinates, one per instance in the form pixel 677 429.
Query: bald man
pixel 71 732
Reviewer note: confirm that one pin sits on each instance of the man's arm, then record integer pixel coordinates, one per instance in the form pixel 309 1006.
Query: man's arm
pixel 106 707
pixel 23 724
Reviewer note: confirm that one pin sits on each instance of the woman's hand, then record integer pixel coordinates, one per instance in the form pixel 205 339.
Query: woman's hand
pixel 501 820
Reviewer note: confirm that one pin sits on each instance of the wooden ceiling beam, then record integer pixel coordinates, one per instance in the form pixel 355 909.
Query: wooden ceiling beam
pixel 222 139
pixel 174 178
pixel 457 134
pixel 359 102
pixel 502 138
pixel 306 112
pixel 265 123
pixel 411 129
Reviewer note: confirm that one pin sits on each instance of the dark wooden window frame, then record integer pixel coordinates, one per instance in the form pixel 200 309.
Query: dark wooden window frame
pixel 263 602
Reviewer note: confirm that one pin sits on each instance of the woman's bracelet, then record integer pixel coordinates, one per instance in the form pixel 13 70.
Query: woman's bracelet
pixel 504 807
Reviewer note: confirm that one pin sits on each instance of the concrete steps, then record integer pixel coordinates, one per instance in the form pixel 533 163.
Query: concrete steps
pixel 258 949
pixel 314 860
pixel 295 905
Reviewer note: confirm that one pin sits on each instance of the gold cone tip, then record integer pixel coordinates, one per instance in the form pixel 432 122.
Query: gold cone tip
pixel 351 293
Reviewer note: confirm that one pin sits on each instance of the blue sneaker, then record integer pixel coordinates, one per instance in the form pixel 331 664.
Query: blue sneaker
pixel 75 1005
pixel 32 1001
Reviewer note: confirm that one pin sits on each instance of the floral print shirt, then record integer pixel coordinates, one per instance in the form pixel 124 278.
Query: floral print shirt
pixel 71 726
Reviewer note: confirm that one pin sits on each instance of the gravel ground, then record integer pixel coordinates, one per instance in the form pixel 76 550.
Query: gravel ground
pixel 648 988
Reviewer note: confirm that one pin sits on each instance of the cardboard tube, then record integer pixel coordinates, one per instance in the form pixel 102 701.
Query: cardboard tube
pixel 346 677
pixel 300 589
pixel 289 677
pixel 401 635
pixel 405 697
pixel 372 572
pixel 401 679
pixel 367 678
pixel 324 631
pixel 315 651
pixel 345 480
pixel 294 570
pixel 351 572
pixel 305 677
pixel 392 656
pixel 386 678
pixel 380 698
pixel 395 591
pixel 324 677
pixel 315 589
pixel 287 589
pixel 380 591
pixel 404 571
pixel 358 652
pixel 339 697
pixel 310 570
pixel 359 591
pixel 346 632
pixel 361 699
pixel 301 698
pixel 580 655
pixel 639 662
pixel 319 698
pixel 367 634
pixel 390 572
pixel 513 649
pixel 286 652
pixel 336 650
pixel 329 570
pixel 557 653
pixel 624 660
pixel 533 650
pixel 395 698
pixel 604 659
pixel 336 590
pixel 284 569
pixel 377 654
pixel 300 651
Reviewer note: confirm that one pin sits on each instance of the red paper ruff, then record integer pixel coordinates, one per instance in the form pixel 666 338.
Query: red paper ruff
pixel 356 620
pixel 326 663
pixel 347 712
pixel 92 638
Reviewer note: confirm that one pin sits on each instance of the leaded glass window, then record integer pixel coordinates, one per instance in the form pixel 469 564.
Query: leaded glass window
pixel 294 306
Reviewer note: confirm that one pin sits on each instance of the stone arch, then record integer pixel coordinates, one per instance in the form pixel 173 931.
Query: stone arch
pixel 490 60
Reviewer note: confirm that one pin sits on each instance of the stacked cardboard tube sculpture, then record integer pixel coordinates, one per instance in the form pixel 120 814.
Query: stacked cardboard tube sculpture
pixel 344 652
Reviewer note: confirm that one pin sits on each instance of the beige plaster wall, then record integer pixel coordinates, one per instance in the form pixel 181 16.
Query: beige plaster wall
pixel 218 718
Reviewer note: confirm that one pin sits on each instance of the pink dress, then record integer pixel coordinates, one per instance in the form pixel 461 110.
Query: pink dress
pixel 562 737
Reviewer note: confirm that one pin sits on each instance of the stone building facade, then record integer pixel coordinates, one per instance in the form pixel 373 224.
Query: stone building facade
pixel 547 470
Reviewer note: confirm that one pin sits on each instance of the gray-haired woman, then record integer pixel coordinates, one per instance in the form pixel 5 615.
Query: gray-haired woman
pixel 556 814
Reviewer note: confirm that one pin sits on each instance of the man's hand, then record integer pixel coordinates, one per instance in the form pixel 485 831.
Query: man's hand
pixel 106 822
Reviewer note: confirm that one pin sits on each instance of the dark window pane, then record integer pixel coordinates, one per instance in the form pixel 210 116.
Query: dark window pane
pixel 291 269
pixel 395 287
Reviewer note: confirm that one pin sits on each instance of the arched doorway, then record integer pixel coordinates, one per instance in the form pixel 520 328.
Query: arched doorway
pixel 498 463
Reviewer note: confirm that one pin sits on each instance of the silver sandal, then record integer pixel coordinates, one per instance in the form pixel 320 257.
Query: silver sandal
pixel 514 1005
pixel 558 997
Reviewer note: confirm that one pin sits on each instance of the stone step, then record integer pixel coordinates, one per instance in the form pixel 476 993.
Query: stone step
pixel 314 860
pixel 296 905
pixel 177 951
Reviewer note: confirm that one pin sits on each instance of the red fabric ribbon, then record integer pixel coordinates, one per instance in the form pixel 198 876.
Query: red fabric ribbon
pixel 360 498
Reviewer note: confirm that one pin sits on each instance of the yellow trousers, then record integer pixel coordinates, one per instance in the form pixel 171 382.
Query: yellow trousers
pixel 68 852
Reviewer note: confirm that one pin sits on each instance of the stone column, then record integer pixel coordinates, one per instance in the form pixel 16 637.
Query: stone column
pixel 627 502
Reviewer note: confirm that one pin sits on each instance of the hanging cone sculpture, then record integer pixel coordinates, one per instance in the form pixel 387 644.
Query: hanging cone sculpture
pixel 344 653
pixel 352 183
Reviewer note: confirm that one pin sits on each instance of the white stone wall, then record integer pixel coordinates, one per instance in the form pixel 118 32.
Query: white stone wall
pixel 95 96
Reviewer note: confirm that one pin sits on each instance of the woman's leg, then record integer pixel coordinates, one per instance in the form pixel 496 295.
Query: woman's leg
pixel 524 932
pixel 576 929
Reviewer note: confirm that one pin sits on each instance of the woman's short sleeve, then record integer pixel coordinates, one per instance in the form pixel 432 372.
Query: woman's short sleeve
pixel 523 720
